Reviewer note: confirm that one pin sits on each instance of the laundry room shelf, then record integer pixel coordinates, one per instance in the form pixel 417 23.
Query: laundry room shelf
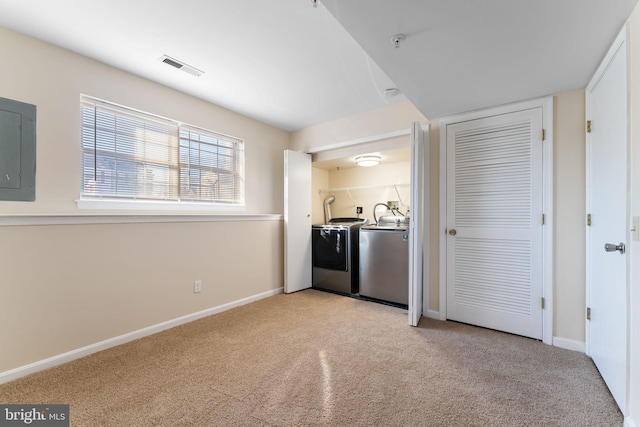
pixel 365 187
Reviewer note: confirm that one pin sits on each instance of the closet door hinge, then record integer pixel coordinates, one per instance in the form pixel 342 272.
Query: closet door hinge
pixel 543 135
pixel 588 313
pixel 542 219
pixel 589 220
pixel 542 303
pixel 588 126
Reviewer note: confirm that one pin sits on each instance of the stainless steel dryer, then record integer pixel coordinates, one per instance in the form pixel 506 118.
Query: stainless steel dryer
pixel 335 251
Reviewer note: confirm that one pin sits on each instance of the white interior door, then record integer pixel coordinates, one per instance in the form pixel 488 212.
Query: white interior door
pixel 607 205
pixel 494 190
pixel 418 234
pixel 297 221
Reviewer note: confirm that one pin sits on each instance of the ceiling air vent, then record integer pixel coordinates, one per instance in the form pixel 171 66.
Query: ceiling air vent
pixel 181 66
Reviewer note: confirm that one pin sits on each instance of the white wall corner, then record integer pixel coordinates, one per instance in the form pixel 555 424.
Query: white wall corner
pixel 569 344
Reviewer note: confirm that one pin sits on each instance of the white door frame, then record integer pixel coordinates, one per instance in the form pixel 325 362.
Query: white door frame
pixel 547 245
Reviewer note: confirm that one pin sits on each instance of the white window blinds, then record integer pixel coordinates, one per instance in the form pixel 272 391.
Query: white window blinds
pixel 210 166
pixel 128 154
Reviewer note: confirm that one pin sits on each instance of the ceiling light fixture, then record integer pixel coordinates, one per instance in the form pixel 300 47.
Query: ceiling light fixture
pixel 397 39
pixel 314 3
pixel 368 161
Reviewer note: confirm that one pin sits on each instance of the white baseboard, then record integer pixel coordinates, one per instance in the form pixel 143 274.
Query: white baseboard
pixel 50 362
pixel 569 344
pixel 628 422
pixel 433 314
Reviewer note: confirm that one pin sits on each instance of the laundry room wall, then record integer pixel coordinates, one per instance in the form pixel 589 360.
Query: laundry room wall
pixel 365 187
pixel 319 181
pixel 392 118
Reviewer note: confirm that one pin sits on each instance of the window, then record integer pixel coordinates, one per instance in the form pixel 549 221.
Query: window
pixel 127 154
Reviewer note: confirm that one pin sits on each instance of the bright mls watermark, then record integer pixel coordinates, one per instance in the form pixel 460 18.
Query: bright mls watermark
pixel 34 415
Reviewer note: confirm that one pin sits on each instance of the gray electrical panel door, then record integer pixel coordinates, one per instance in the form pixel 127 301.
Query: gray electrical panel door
pixel 17 151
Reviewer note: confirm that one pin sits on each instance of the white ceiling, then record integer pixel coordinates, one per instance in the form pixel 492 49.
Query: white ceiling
pixel 282 62
pixel 291 65
pixel 464 55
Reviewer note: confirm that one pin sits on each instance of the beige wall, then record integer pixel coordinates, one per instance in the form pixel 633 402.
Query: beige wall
pixel 68 286
pixel 569 215
pixel 63 287
pixel 53 79
pixel 394 117
pixel 433 252
pixel 633 40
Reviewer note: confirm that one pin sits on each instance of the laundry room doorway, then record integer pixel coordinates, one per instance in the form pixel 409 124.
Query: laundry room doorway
pixel 351 187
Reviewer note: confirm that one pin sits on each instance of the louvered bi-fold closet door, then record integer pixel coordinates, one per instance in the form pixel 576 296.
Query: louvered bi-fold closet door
pixel 494 222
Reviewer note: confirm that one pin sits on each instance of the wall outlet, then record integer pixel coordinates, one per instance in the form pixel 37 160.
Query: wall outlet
pixel 393 204
pixel 358 210
pixel 197 286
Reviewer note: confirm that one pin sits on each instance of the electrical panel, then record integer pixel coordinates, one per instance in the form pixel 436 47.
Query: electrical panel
pixel 17 151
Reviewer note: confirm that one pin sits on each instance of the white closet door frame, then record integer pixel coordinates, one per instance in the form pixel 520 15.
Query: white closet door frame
pixel 547 245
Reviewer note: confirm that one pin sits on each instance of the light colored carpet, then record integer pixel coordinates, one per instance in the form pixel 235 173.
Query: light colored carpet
pixel 314 358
